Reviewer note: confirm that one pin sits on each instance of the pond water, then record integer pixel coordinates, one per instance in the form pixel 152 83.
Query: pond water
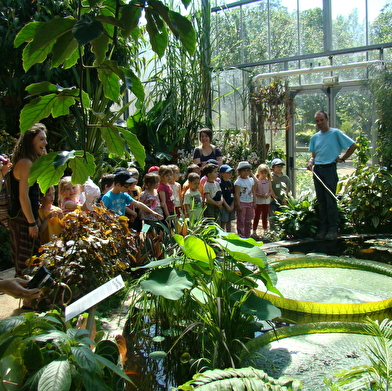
pixel 311 357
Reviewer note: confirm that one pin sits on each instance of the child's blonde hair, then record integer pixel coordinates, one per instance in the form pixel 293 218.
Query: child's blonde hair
pixel 263 168
pixel 174 168
pixel 164 170
pixel 65 181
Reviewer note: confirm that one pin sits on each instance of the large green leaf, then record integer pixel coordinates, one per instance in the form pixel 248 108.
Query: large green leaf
pixel 157 32
pixel 244 252
pixel 40 88
pixel 114 142
pixel 44 39
pixel 85 31
pixel 35 58
pixel 99 47
pixel 110 20
pixel 135 147
pixel 56 376
pixel 61 105
pixel 82 167
pixel 130 15
pixel 36 110
pixel 85 359
pixel 110 83
pixel 64 48
pixel 169 283
pixel 44 172
pixel 113 367
pixel 10 323
pixel 186 31
pixel 255 305
pixel 11 374
pixel 27 33
pixel 195 248
pixel 133 83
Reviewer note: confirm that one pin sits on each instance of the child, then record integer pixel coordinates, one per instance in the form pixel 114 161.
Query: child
pixel 134 191
pixel 281 185
pixel 192 199
pixel 244 192
pixel 69 195
pixel 117 198
pixel 263 197
pixel 176 187
pixel 227 187
pixel 191 168
pixel 50 217
pixel 106 183
pixel 165 191
pixel 149 196
pixel 212 193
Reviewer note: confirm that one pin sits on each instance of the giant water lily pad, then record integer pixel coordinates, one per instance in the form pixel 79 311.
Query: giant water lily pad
pixel 309 352
pixel 331 285
pixel 169 283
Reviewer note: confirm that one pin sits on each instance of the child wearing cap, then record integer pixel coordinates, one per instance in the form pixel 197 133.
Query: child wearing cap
pixel 117 198
pixel 227 187
pixel 281 185
pixel 245 198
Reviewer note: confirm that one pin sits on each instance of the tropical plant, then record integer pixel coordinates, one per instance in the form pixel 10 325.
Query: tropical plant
pixel 363 197
pixel 298 218
pixel 270 109
pixel 41 352
pixel 381 87
pixel 376 376
pixel 241 379
pixel 91 249
pixel 204 294
pixel 98 27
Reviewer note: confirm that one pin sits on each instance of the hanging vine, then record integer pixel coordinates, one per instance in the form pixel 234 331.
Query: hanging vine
pixel 270 109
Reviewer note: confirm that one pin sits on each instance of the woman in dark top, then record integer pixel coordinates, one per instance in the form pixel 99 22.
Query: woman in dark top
pixel 206 150
pixel 23 212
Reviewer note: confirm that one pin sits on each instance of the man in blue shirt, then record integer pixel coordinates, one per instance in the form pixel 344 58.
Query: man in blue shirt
pixel 326 146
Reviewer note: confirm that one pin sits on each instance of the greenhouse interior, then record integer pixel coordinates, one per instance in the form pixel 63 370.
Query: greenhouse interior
pixel 167 222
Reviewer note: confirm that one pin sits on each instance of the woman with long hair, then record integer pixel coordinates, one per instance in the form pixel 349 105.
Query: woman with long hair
pixel 23 212
pixel 206 151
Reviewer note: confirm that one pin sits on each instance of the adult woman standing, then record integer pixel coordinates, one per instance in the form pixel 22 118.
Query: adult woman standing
pixel 206 150
pixel 23 212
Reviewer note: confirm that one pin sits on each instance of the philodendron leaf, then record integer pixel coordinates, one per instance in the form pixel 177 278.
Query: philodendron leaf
pixel 44 171
pixel 186 31
pixel 82 167
pixel 57 375
pixel 130 15
pixel 64 48
pixel 135 146
pixel 133 83
pixel 157 32
pixel 35 110
pixel 169 283
pixel 85 31
pixel 195 248
pixel 114 142
pixel 41 88
pixel 157 263
pixel 110 82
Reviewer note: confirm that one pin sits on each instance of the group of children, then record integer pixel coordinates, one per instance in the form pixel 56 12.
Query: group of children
pixel 208 192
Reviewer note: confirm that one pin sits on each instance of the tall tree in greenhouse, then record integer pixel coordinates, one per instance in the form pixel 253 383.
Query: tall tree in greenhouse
pixel 67 42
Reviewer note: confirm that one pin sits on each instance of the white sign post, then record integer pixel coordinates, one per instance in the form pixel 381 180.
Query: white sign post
pixel 94 297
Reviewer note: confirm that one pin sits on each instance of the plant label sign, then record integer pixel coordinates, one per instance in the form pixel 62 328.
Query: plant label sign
pixel 94 297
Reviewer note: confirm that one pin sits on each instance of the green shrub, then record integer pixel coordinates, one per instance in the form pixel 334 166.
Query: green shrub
pixel 365 199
